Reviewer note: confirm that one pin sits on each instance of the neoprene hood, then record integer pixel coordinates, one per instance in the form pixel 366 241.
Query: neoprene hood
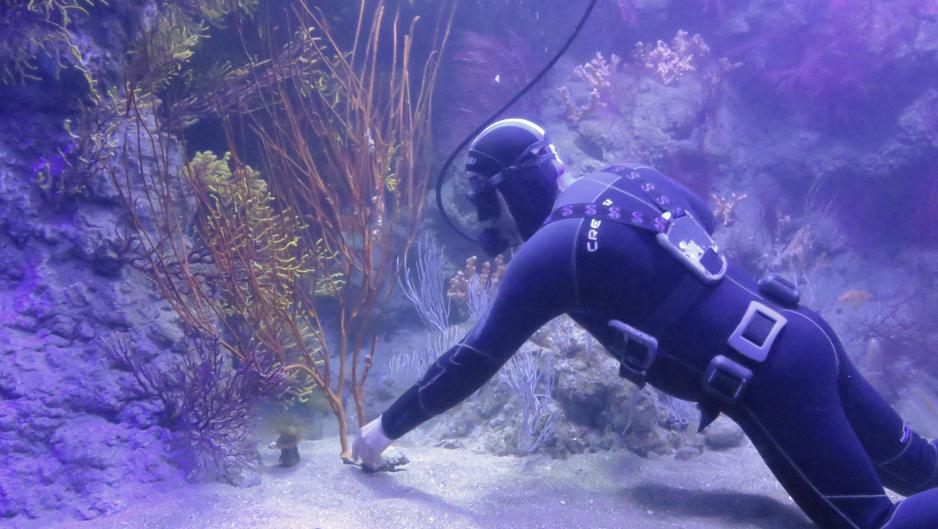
pixel 515 158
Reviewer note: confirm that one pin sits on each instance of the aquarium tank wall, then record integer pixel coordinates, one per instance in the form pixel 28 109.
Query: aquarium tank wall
pixel 222 256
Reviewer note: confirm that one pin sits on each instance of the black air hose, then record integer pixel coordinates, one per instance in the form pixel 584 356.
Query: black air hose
pixel 512 101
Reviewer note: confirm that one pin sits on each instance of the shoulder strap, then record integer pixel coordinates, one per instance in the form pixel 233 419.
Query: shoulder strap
pixel 656 220
pixel 630 217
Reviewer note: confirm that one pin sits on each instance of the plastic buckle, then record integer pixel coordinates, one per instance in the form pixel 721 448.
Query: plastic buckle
pixel 636 352
pixel 687 240
pixel 780 290
pixel 725 379
pixel 757 331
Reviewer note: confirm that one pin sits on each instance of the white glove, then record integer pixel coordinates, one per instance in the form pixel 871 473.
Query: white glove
pixel 369 444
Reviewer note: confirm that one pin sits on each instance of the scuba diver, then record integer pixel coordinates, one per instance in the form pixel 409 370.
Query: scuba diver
pixel 627 253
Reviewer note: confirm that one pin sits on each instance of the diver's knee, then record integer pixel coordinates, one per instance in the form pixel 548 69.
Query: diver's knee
pixel 914 469
pixel 915 512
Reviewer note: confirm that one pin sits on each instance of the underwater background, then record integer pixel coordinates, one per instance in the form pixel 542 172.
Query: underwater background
pixel 220 252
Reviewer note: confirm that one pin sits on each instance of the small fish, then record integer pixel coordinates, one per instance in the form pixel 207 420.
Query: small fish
pixel 498 79
pixel 854 297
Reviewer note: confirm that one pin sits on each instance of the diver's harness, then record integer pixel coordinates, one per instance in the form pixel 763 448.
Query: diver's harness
pixel 676 229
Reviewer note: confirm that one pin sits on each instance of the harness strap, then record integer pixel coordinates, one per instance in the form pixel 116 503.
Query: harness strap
pixel 749 345
pixel 643 220
pixel 656 219
pixel 676 304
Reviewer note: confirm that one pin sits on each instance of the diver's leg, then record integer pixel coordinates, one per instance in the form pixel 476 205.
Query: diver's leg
pixel 905 462
pixel 820 463
pixel 793 416
pixel 915 512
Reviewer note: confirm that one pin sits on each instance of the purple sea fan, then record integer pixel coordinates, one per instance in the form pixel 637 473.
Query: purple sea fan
pixel 483 73
pixel 834 53
pixel 206 403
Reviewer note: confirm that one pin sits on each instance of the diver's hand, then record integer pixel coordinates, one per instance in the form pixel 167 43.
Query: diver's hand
pixel 369 444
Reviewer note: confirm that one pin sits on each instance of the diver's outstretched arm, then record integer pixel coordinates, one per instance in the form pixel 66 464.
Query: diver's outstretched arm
pixel 537 287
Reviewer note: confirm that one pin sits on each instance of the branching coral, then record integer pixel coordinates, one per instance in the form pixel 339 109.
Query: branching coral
pixel 167 39
pixel 575 113
pixel 671 61
pixel 254 298
pixel 257 249
pixel 170 35
pixel 797 253
pixel 33 28
pixel 57 175
pixel 206 402
pixel 597 73
pixel 64 175
pixel 725 211
pixel 341 135
pixel 167 42
pixel 472 287
pixel 245 260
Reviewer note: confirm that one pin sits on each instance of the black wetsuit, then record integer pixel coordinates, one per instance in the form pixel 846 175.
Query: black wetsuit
pixel 825 433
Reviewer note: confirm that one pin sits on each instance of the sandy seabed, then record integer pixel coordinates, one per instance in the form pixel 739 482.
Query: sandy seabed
pixel 459 489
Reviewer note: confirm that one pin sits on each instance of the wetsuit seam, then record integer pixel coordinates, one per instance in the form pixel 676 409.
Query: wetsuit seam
pixel 907 481
pixel 934 473
pixel 846 496
pixel 422 385
pixel 611 185
pixel 421 403
pixel 479 352
pixel 682 362
pixel 892 516
pixel 898 477
pixel 897 456
pixel 437 375
pixel 893 474
pixel 573 259
pixel 796 467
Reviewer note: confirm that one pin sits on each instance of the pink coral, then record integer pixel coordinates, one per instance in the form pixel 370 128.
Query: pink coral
pixel 671 61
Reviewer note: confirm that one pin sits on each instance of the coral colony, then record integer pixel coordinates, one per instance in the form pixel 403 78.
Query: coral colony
pixel 671 61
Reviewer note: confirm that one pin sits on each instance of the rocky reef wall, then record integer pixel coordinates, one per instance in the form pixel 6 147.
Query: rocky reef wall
pixel 76 435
